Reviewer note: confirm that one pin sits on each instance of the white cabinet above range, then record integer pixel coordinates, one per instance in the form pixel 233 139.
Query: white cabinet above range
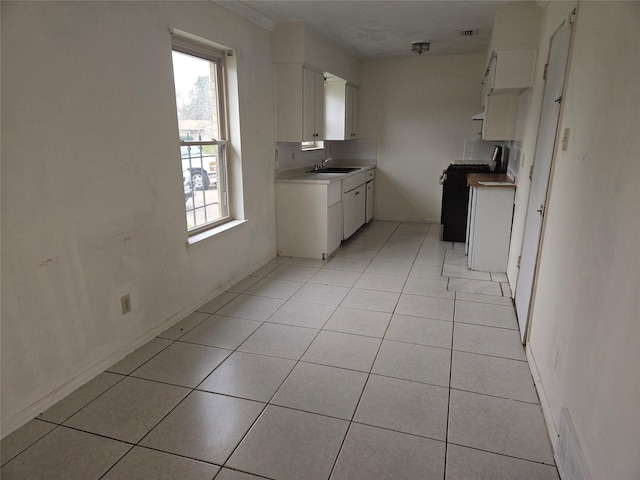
pixel 510 71
pixel 507 75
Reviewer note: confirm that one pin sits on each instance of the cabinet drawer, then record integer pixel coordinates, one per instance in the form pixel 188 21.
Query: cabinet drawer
pixel 356 180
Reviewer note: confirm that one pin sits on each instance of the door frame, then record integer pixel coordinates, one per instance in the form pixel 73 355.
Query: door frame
pixel 570 24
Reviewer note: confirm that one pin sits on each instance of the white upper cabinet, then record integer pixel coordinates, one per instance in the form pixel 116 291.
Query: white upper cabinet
pixel 352 111
pixel 507 75
pixel 510 68
pixel 313 107
pixel 299 103
pixel 510 71
pixel 341 103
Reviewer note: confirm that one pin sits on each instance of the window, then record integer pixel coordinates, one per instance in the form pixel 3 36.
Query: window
pixel 313 145
pixel 199 77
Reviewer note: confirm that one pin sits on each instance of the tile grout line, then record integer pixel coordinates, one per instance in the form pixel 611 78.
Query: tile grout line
pixel 453 324
pixel 195 388
pixel 127 375
pixel 298 361
pixel 335 462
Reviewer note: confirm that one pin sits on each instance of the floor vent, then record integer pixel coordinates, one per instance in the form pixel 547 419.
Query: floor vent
pixel 568 454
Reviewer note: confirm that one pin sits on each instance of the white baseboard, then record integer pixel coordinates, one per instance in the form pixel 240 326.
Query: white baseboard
pixel 570 459
pixel 11 424
pixel 552 429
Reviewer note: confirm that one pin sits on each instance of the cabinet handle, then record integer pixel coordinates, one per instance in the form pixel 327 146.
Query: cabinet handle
pixel 357 193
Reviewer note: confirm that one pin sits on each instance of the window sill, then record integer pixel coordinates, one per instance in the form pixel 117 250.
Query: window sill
pixel 225 227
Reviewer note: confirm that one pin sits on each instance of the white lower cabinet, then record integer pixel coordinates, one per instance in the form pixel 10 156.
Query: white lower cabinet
pixel 312 219
pixel 489 228
pixel 308 219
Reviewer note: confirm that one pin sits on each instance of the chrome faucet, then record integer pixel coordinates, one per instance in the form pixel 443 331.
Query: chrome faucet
pixel 322 163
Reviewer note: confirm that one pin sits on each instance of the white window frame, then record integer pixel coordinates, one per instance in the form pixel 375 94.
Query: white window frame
pixel 190 45
pixel 312 145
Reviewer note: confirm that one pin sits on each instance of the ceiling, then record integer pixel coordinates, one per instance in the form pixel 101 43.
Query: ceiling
pixel 381 28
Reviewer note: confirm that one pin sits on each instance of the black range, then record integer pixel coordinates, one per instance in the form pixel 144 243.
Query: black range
pixel 455 199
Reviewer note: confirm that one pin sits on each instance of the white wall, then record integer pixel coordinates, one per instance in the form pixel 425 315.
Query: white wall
pixel 587 303
pixel 515 26
pixel 419 111
pixel 297 42
pixel 92 201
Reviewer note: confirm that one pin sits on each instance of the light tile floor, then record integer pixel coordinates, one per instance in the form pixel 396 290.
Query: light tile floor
pixel 390 360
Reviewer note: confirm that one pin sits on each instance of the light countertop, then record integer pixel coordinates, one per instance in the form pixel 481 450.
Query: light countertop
pixel 302 175
pixel 489 180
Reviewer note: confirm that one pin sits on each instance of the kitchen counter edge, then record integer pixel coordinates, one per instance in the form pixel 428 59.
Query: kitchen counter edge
pixel 322 178
pixel 474 179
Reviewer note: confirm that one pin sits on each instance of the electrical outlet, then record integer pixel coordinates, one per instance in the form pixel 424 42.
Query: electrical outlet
pixel 125 302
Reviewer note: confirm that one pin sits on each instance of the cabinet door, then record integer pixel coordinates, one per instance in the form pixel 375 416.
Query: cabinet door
pixel 490 79
pixel 356 106
pixel 351 104
pixel 318 105
pixel 354 205
pixel 514 70
pixel 370 190
pixel 308 105
pixel 289 103
pixel 501 112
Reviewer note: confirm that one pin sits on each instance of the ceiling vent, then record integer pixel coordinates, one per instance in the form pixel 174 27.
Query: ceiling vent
pixel 467 33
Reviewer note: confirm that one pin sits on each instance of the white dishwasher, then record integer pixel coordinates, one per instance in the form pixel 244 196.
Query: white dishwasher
pixel 357 201
pixel 354 204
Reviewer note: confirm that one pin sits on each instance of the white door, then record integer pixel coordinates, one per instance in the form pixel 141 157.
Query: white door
pixel 545 147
